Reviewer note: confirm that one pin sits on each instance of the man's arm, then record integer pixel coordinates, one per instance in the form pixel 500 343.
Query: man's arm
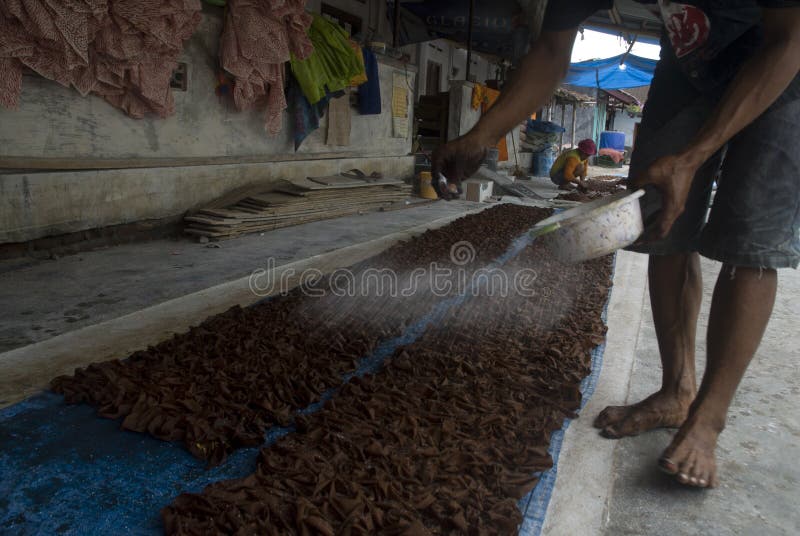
pixel 759 82
pixel 539 74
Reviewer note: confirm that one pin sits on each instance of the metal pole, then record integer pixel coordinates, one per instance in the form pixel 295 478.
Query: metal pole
pixel 627 52
pixel 596 128
pixel 396 31
pixel 574 121
pixel 561 140
pixel 469 37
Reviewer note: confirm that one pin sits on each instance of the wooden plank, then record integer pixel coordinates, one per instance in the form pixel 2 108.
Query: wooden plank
pixel 213 231
pixel 336 180
pixel 272 216
pixel 306 184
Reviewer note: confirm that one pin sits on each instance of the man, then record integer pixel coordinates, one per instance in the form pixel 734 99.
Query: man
pixel 572 166
pixel 728 77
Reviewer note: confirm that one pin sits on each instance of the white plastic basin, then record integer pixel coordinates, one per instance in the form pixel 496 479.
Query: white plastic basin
pixel 593 229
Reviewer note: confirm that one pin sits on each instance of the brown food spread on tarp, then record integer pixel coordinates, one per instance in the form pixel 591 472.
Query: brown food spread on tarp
pixel 578 196
pixel 605 184
pixel 445 439
pixel 223 383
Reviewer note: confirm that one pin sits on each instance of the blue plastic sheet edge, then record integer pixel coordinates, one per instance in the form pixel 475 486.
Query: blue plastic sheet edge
pixel 534 506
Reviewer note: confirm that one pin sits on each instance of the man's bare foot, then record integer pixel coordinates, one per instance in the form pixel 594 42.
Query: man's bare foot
pixel 659 410
pixel 690 456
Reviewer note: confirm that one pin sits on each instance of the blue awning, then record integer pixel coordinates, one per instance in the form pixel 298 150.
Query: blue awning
pixel 608 74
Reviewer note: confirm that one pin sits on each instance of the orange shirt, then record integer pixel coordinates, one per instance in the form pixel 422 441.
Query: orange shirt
pixel 570 165
pixel 568 161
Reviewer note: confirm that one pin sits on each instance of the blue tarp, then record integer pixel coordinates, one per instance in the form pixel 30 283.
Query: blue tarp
pixel 607 74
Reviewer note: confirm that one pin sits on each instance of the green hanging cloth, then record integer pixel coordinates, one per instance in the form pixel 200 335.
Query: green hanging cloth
pixel 331 66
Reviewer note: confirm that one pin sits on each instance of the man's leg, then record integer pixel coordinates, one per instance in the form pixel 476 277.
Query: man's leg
pixel 740 309
pixel 675 295
pixel 755 227
pixel 674 113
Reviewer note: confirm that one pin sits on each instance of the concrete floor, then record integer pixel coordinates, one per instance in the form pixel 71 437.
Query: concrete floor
pixel 757 453
pixel 42 299
pixel 614 487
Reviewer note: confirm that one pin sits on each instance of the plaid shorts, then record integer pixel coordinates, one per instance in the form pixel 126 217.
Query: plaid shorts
pixel 754 220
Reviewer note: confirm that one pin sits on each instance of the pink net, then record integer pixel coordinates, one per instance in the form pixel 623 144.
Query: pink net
pixel 258 38
pixel 122 50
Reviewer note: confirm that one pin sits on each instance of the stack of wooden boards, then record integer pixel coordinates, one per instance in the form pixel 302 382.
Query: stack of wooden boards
pixel 291 203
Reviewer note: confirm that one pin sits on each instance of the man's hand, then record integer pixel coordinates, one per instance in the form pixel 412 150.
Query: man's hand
pixel 539 73
pixel 672 176
pixel 456 160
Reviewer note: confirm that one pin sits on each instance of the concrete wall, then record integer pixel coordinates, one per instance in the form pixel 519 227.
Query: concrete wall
pixel 37 204
pixel 206 149
pixel 625 123
pixel 584 119
pixel 482 69
pixel 56 123
pixel 439 52
pixel 462 118
pixel 450 57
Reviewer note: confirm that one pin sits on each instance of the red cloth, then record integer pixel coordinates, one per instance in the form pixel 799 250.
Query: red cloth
pixel 616 156
pixel 121 50
pixel 257 41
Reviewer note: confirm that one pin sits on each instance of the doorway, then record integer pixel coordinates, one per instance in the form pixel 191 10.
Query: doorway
pixel 433 73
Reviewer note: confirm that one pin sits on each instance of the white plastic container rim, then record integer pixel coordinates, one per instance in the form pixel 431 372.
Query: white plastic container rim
pixel 585 212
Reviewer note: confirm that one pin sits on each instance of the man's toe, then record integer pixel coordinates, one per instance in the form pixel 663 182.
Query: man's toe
pixel 667 465
pixel 609 416
pixel 633 424
pixel 610 432
pixel 686 467
pixel 703 478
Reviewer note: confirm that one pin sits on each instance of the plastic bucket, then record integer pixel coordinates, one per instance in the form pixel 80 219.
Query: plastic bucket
pixel 492 156
pixel 426 190
pixel 541 163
